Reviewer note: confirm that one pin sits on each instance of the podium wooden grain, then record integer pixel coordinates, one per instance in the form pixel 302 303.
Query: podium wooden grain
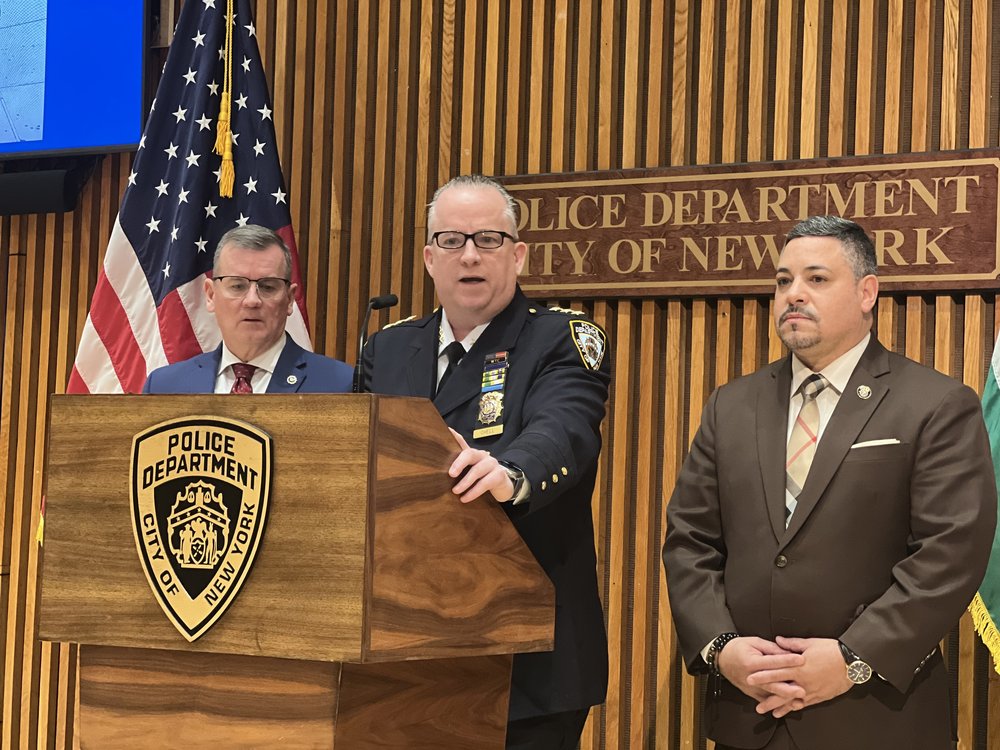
pixel 380 609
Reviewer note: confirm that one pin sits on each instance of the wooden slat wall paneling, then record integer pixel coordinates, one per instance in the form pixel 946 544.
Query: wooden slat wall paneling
pixel 680 130
pixel 18 496
pixel 376 102
pixel 649 450
pixel 620 540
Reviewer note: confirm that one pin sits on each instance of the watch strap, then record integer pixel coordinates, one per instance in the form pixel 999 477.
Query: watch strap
pixel 517 478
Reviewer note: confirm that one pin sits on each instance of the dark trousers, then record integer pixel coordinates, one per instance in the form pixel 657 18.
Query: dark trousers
pixel 780 740
pixel 550 732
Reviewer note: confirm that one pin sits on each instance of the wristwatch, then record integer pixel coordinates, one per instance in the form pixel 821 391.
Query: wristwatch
pixel 516 476
pixel 858 671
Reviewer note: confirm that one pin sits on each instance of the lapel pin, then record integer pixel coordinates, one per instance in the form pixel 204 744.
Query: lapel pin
pixel 864 392
pixel 292 380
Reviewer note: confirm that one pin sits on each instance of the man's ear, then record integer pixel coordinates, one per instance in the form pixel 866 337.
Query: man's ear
pixel 429 260
pixel 209 295
pixel 520 253
pixel 869 292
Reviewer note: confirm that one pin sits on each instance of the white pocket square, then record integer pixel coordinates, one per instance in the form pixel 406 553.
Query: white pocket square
pixel 872 443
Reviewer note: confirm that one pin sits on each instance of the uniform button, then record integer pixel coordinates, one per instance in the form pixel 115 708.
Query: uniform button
pixel 565 472
pixel 555 478
pixel 781 561
pixel 543 484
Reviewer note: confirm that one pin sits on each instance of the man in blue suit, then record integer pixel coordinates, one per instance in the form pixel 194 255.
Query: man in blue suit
pixel 252 295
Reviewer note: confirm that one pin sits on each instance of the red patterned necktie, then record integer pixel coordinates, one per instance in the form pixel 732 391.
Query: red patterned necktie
pixel 243 374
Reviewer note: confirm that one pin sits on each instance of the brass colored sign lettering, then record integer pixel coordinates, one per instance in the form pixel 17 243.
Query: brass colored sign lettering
pixel 719 230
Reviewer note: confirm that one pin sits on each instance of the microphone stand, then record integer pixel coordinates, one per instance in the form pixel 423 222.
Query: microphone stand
pixel 375 303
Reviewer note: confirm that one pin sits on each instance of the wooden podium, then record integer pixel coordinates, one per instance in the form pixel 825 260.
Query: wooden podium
pixel 380 611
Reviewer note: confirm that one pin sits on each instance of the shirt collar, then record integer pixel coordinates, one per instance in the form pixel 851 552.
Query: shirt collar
pixel 265 361
pixel 446 335
pixel 837 373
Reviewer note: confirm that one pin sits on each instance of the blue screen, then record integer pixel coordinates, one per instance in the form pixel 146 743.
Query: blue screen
pixel 71 75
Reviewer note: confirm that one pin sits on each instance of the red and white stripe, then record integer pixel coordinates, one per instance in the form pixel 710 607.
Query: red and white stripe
pixel 126 336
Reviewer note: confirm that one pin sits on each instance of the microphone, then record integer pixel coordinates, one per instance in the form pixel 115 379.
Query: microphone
pixel 375 303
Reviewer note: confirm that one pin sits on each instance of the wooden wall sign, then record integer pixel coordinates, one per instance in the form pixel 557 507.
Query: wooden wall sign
pixel 719 229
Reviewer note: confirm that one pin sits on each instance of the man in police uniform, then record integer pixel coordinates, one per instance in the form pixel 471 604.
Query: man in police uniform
pixel 523 387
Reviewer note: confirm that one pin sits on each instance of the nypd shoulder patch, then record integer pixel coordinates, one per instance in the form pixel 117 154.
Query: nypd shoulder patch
pixel 590 341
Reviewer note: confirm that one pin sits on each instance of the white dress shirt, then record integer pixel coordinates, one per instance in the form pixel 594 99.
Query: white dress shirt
pixel 446 336
pixel 265 364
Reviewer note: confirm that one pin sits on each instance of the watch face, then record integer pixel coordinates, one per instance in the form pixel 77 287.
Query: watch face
pixel 858 672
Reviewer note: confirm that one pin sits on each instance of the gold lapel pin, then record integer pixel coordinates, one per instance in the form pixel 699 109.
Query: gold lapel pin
pixel 292 380
pixel 864 392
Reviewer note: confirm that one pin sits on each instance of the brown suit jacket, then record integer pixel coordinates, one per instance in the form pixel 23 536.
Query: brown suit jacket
pixel 885 549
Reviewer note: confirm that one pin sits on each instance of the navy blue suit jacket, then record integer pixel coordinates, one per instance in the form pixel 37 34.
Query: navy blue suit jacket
pixel 297 371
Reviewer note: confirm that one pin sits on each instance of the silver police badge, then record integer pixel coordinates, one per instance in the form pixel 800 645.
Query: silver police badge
pixel 199 490
pixel 590 342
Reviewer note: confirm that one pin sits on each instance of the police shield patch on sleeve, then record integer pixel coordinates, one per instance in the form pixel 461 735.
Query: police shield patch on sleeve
pixel 199 488
pixel 590 342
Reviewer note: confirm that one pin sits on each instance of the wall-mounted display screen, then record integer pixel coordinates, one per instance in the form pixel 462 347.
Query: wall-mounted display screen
pixel 71 76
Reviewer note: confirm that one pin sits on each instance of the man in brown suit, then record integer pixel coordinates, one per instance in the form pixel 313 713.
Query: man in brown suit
pixel 827 531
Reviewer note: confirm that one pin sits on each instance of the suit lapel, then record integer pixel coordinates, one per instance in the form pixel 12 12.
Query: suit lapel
pixel 208 369
pixel 290 370
pixel 500 335
pixel 772 420
pixel 849 418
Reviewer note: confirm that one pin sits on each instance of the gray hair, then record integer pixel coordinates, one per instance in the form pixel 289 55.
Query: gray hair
pixel 475 181
pixel 253 237
pixel 858 247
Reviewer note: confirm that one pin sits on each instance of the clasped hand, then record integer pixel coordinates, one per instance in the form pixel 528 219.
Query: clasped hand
pixel 787 674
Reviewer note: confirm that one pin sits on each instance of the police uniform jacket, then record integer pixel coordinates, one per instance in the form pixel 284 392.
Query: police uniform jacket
pixel 553 403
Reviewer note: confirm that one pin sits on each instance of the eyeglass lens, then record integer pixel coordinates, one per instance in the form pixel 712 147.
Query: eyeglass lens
pixel 239 286
pixel 484 240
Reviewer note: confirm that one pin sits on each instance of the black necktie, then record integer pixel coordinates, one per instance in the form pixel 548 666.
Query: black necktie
pixel 454 351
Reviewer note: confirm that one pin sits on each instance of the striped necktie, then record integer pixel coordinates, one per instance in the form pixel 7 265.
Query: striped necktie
pixel 802 443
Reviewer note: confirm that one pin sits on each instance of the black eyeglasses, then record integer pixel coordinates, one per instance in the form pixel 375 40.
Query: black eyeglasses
pixel 237 287
pixel 489 240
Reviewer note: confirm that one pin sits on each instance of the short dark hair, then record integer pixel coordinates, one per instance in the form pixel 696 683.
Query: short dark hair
pixel 858 246
pixel 253 237
pixel 480 181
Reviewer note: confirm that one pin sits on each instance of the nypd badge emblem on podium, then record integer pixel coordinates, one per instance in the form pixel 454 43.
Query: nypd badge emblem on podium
pixel 199 488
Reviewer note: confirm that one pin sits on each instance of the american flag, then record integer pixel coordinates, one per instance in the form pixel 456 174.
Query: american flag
pixel 148 308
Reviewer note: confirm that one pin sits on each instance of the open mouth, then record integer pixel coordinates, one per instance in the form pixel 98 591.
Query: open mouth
pixel 472 280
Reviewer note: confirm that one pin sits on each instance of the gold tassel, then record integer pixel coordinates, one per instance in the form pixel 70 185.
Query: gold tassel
pixel 986 628
pixel 223 135
pixel 228 175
